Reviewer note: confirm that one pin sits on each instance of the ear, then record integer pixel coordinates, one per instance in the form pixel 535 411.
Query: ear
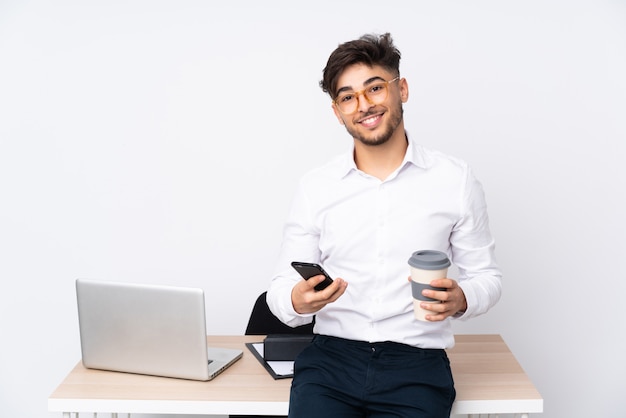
pixel 404 90
pixel 337 113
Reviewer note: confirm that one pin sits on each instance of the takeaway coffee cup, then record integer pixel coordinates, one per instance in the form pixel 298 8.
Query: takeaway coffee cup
pixel 426 265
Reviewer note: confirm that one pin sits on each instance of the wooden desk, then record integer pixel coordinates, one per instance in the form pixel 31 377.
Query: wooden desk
pixel 487 376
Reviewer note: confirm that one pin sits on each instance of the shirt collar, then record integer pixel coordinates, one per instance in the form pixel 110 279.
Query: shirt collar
pixel 414 155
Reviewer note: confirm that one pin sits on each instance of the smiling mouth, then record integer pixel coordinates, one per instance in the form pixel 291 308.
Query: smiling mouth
pixel 371 121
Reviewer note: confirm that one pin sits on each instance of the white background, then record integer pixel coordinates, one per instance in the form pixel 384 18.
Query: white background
pixel 160 142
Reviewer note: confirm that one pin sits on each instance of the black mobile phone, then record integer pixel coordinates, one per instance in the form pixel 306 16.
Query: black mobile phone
pixel 308 270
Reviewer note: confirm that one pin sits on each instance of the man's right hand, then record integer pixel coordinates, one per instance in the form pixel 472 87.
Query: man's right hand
pixel 306 299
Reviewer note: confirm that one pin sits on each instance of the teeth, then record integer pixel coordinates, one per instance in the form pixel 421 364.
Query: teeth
pixel 370 120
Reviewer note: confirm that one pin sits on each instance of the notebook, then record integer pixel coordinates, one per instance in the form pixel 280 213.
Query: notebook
pixel 147 329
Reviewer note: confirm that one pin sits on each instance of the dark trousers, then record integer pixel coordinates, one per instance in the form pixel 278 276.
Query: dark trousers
pixel 338 378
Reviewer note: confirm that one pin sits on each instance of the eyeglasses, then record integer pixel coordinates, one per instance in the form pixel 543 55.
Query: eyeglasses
pixel 376 93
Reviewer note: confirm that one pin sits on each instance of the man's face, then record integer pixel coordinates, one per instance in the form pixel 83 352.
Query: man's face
pixel 371 124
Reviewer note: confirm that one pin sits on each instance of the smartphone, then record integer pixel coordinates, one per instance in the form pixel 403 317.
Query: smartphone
pixel 308 270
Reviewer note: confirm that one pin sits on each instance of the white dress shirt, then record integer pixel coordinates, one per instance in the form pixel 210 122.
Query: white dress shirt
pixel 364 230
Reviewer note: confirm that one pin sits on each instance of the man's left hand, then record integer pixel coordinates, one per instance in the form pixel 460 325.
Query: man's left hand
pixel 452 300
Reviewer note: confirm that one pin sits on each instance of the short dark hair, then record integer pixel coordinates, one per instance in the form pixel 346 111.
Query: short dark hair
pixel 369 49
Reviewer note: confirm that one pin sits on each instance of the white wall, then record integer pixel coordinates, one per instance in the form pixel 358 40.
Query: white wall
pixel 155 141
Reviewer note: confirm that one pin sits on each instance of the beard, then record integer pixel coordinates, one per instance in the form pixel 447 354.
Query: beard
pixel 395 117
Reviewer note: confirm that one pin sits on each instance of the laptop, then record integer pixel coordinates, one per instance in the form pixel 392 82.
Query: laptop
pixel 147 329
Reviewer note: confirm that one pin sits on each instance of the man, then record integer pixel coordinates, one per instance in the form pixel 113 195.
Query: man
pixel 362 216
